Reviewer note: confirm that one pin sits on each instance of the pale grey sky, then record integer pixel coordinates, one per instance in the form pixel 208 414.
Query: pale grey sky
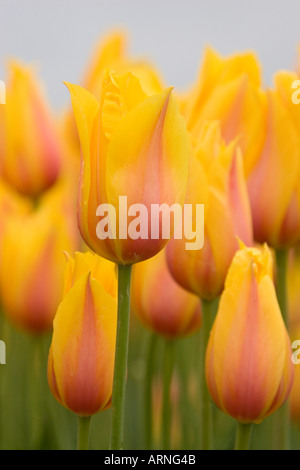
pixel 60 34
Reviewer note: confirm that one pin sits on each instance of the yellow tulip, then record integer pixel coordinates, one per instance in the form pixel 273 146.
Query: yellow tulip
pixel 110 52
pixel 133 146
pixel 249 370
pixel 32 158
pixel 293 288
pixel 274 182
pixel 228 90
pixel 32 267
pixel 160 303
pixel 81 356
pixel 217 181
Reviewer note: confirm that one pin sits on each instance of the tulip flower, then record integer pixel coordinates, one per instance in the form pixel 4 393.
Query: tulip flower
pixel 293 288
pixel 273 184
pixel 32 158
pixel 81 356
pixel 160 303
pixel 110 52
pixel 217 181
pixel 228 90
pixel 249 371
pixel 32 266
pixel 133 146
pixel 135 153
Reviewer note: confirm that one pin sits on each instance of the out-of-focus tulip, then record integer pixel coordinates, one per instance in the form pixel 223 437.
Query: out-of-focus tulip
pixel 274 182
pixel 11 203
pixel 160 303
pixel 32 158
pixel 293 288
pixel 133 146
pixel 111 52
pixel 217 181
pixel 249 370
pixel 32 267
pixel 81 356
pixel 228 90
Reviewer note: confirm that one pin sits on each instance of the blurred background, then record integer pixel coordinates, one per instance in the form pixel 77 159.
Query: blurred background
pixel 60 34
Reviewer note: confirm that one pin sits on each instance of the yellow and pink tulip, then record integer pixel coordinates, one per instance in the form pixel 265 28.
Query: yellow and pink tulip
pixel 82 352
pixel 249 370
pixel 133 145
pixel 217 181
pixel 160 303
pixel 32 155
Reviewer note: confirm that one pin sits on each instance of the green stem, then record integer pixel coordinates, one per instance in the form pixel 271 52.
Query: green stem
pixel 148 390
pixel 281 287
pixel 83 432
pixel 167 406
pixel 208 310
pixel 243 436
pixel 282 427
pixel 119 384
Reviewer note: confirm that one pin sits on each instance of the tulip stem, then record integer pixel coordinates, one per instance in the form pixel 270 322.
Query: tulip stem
pixel 281 287
pixel 243 436
pixel 148 390
pixel 208 309
pixel 168 367
pixel 119 383
pixel 282 427
pixel 83 432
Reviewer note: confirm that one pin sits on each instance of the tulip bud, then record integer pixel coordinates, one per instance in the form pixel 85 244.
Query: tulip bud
pixel 274 182
pixel 228 90
pixel 110 52
pixel 216 181
pixel 135 154
pixel 32 266
pixel 249 371
pixel 32 157
pixel 81 356
pixel 160 303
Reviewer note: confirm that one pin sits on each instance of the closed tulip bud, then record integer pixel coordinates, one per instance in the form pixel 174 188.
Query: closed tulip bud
pixel 228 90
pixel 135 154
pixel 110 52
pixel 217 181
pixel 249 371
pixel 82 352
pixel 274 182
pixel 32 156
pixel 32 267
pixel 160 303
